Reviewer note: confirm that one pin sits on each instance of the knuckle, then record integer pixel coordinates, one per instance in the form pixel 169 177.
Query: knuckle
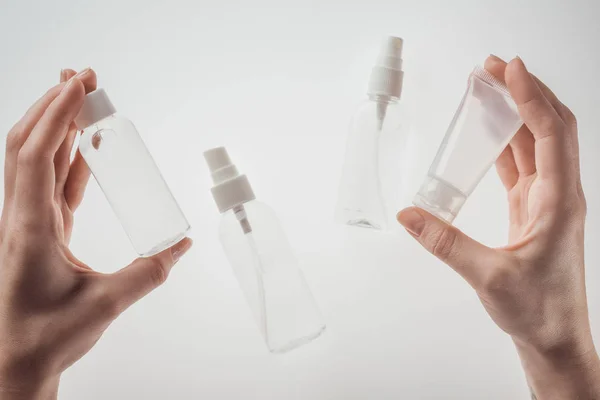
pixel 580 209
pixel 30 156
pixel 26 157
pixel 443 242
pixel 62 118
pixel 572 208
pixel 583 205
pixel 158 271
pixel 13 139
pixel 570 116
pixel 107 303
pixel 549 125
pixel 498 280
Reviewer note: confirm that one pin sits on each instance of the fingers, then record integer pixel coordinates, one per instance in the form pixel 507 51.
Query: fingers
pixel 470 259
pixel 35 181
pixel 145 274
pixel 558 106
pixel 523 147
pixel 62 160
pixel 523 143
pixel 19 134
pixel 496 66
pixel 569 119
pixel 507 168
pixel 66 74
pixel 17 137
pixel 79 176
pixel 546 126
pixel 506 165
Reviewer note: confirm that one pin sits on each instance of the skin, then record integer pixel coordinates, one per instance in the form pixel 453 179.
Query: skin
pixel 53 307
pixel 534 287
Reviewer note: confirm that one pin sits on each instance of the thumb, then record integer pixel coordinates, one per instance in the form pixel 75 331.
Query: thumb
pixel 146 274
pixel 466 256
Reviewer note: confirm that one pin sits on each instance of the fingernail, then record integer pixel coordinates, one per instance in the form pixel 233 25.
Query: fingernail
pixel 495 58
pixel 412 221
pixel 62 75
pixel 519 60
pixel 69 83
pixel 83 72
pixel 180 249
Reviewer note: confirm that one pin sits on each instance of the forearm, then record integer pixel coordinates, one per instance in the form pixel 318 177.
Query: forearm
pixel 562 374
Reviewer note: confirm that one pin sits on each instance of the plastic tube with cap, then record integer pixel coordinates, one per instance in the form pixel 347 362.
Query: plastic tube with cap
pixel 485 122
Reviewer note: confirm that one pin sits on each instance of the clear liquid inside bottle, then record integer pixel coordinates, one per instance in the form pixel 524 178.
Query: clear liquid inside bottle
pixel 133 185
pixel 485 122
pixel 269 275
pixel 363 199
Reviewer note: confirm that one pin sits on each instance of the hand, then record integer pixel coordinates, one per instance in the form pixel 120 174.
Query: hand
pixel 54 308
pixel 533 288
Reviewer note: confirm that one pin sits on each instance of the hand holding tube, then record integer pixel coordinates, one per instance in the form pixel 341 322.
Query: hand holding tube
pixel 533 288
pixel 53 307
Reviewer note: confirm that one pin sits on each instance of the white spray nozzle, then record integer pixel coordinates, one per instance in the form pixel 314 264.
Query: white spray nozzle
pixel 390 55
pixel 230 188
pixel 220 165
pixel 387 74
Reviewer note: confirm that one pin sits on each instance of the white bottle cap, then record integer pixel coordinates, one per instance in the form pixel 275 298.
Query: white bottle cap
pixel 230 188
pixel 386 75
pixel 96 107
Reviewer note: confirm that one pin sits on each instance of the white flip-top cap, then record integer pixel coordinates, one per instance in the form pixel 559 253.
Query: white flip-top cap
pixel 387 74
pixel 230 188
pixel 96 107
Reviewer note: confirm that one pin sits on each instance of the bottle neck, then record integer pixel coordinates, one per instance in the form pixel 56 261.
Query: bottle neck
pixel 383 98
pixel 242 217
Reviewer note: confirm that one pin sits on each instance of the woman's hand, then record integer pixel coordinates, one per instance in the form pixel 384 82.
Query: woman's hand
pixel 533 288
pixel 54 308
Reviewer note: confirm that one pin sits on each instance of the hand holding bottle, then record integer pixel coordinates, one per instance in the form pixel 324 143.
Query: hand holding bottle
pixel 54 308
pixel 533 288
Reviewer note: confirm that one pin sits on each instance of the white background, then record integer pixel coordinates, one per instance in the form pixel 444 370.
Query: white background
pixel 277 82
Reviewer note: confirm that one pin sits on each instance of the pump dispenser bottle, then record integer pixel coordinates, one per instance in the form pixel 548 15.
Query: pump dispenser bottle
pixel 262 260
pixel 361 200
pixel 128 176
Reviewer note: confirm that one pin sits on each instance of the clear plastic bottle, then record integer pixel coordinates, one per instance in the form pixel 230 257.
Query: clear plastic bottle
pixel 129 177
pixel 262 260
pixel 362 200
pixel 485 122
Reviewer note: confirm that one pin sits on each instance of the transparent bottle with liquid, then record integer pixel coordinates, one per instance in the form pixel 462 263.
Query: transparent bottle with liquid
pixel 363 201
pixel 129 177
pixel 484 124
pixel 262 260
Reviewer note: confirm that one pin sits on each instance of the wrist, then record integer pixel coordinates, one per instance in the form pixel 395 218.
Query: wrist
pixel 44 390
pixel 20 383
pixel 568 371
